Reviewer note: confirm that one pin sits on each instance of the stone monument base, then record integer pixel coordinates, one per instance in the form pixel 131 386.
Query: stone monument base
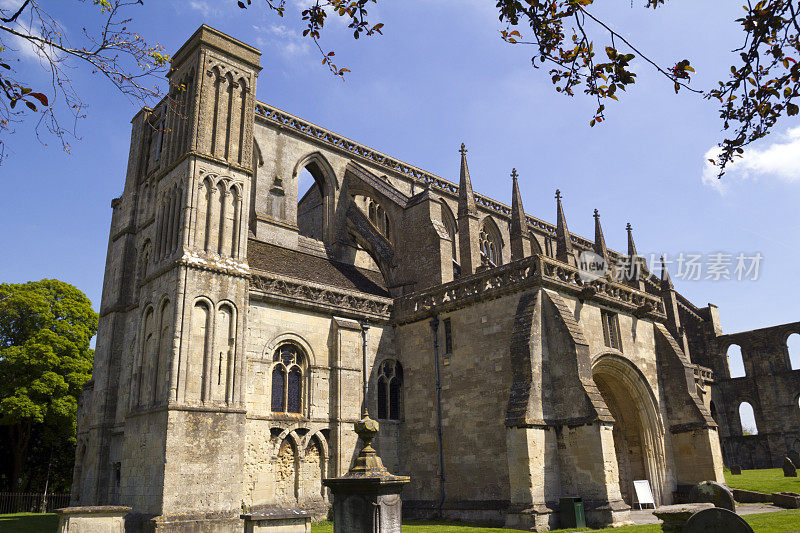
pixel 99 519
pixel 277 521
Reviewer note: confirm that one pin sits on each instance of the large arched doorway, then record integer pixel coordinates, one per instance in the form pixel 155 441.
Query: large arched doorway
pixel 638 430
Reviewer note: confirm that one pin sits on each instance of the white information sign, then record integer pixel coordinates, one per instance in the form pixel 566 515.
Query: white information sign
pixel 644 496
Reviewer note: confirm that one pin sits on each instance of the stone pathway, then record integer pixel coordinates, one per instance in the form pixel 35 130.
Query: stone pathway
pixel 645 516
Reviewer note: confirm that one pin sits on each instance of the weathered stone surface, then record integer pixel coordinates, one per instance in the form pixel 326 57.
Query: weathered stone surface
pixel 217 262
pixel 736 470
pixel 713 492
pixel 88 519
pixel 794 456
pixel 749 496
pixel 277 521
pixel 674 517
pixel 790 500
pixel 789 469
pixel 717 520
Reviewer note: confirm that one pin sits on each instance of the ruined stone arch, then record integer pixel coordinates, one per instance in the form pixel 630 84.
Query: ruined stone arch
pixel 734 358
pixel 791 342
pixel 639 429
pixel 322 441
pixel 327 183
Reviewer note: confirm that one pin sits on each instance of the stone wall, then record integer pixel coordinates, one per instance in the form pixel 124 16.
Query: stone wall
pixel 770 386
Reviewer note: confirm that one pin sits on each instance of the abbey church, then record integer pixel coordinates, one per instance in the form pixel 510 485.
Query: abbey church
pixel 236 308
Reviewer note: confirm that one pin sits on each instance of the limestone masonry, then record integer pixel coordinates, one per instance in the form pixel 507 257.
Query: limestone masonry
pixel 228 366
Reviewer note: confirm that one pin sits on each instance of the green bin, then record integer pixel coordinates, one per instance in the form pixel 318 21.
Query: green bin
pixel 571 513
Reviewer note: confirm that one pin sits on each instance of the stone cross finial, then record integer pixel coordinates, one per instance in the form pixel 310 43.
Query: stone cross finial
pixel 629 227
pixel 514 174
pixel 558 194
pixel 463 149
pixel 596 214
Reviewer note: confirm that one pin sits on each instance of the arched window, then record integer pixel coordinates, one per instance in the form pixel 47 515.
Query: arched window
pixel 491 250
pixel 390 383
pixel 287 380
pixel 747 418
pixel 735 361
pixel 793 346
pixel 713 411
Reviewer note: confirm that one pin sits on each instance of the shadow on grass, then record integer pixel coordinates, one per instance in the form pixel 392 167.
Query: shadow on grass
pixel 28 523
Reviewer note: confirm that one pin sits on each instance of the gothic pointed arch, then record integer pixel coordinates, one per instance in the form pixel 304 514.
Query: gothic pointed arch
pixel 315 210
pixel 491 243
pixel 638 427
pixel 451 226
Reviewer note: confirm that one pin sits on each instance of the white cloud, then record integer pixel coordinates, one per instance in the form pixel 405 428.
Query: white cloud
pixel 205 8
pixel 290 43
pixel 10 4
pixel 780 160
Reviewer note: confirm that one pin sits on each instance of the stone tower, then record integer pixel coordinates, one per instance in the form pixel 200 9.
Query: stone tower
pixel 175 330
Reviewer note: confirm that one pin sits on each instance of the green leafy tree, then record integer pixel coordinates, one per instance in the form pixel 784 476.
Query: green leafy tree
pixel 45 359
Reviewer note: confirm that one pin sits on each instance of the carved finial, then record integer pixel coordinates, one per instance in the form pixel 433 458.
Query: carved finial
pixel 514 174
pixel 629 227
pixel 558 194
pixel 463 149
pixel 596 214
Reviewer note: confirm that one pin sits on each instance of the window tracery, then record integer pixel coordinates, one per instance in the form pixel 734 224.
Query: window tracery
pixel 390 383
pixel 287 379
pixel 490 247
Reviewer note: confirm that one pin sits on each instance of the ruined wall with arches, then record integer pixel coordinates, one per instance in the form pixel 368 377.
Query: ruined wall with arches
pixel 758 372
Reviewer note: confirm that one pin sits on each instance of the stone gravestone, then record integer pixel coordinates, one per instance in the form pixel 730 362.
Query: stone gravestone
pixel 716 520
pixel 794 457
pixel 789 469
pixel 736 470
pixel 713 492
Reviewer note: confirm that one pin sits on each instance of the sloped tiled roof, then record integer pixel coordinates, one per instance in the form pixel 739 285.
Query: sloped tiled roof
pixel 277 260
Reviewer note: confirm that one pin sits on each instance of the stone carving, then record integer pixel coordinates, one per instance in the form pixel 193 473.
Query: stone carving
pixel 533 271
pixel 716 520
pixel 713 492
pixel 321 295
pixel 789 470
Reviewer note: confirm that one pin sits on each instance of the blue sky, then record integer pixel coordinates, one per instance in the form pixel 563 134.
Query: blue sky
pixel 440 76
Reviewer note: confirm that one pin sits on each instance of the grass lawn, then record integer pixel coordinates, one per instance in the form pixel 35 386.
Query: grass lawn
pixel 780 521
pixel 28 523
pixel 768 480
pixel 777 522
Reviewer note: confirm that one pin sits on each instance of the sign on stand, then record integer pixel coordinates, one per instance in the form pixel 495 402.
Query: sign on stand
pixel 644 496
